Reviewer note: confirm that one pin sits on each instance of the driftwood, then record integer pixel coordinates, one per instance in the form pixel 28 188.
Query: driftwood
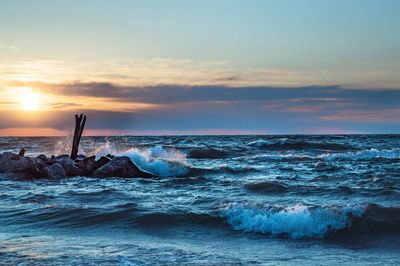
pixel 79 126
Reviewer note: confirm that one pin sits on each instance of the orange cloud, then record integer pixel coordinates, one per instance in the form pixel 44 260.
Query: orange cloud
pixel 387 115
pixel 31 132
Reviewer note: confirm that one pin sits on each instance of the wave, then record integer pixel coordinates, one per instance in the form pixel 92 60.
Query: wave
pixel 208 153
pixel 266 187
pixel 156 160
pixel 196 171
pixel 165 219
pixel 161 162
pixel 389 154
pixel 289 144
pixel 301 221
pixel 376 221
pixel 362 155
pixel 295 222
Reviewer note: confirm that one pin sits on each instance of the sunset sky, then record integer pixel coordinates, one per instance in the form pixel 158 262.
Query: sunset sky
pixel 200 67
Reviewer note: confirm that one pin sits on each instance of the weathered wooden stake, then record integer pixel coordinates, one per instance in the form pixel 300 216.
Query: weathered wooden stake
pixel 79 126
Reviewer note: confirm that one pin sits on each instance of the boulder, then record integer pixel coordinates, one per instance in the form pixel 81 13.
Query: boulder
pixel 62 156
pixel 102 161
pixel 62 166
pixel 21 152
pixel 54 159
pixel 8 156
pixel 80 157
pixel 87 165
pixel 121 167
pixel 24 164
pixel 11 162
pixel 54 171
pixel 69 166
pixel 43 158
pixel 41 161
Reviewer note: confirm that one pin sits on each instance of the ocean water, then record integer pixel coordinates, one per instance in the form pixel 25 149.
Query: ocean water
pixel 219 200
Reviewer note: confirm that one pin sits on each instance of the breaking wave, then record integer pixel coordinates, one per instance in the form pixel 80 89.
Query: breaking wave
pixel 296 222
pixel 366 154
pixel 359 155
pixel 156 160
pixel 288 144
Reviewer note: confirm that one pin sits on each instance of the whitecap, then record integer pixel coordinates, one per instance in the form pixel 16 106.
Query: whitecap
pixel 156 160
pixel 296 222
pixel 366 154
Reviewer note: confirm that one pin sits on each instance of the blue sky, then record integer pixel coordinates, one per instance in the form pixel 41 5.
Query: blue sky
pixel 352 45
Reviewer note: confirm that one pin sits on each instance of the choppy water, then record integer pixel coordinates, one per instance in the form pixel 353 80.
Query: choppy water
pixel 219 200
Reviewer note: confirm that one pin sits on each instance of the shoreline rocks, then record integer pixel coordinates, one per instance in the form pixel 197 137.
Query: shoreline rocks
pixel 58 167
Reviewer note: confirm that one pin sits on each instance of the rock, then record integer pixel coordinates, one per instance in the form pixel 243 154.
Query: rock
pixel 55 171
pixel 21 152
pixel 87 165
pixel 69 166
pixel 7 156
pixel 43 158
pixel 80 157
pixel 62 156
pixel 41 161
pixel 102 161
pixel 10 161
pixel 24 164
pixel 54 159
pixel 62 166
pixel 110 156
pixel 121 167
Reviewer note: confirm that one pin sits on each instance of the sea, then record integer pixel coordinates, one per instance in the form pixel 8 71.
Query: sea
pixel 217 200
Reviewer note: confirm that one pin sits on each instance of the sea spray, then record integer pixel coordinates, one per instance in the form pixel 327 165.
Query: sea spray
pixel 156 160
pixel 159 161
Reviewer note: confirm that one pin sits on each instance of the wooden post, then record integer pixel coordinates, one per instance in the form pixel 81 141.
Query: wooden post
pixel 79 126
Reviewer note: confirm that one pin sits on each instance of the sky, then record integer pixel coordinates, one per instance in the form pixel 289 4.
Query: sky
pixel 200 67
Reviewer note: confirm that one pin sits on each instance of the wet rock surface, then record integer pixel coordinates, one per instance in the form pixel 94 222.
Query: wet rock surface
pixel 120 167
pixel 58 167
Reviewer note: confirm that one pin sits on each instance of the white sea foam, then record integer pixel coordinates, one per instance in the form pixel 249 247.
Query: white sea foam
pixel 156 160
pixel 286 156
pixel 366 154
pixel 263 142
pixel 359 155
pixel 295 222
pixel 159 161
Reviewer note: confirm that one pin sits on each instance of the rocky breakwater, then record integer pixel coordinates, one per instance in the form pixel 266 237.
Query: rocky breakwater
pixel 56 167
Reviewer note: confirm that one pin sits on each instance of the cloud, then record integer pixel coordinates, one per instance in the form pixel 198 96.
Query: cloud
pixel 8 47
pixel 63 105
pixel 212 108
pixel 175 94
pixel 150 72
pixel 174 71
pixel 376 116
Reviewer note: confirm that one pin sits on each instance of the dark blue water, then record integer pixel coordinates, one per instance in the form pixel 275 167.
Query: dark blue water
pixel 220 200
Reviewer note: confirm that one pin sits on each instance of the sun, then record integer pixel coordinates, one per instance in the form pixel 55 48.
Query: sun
pixel 29 100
